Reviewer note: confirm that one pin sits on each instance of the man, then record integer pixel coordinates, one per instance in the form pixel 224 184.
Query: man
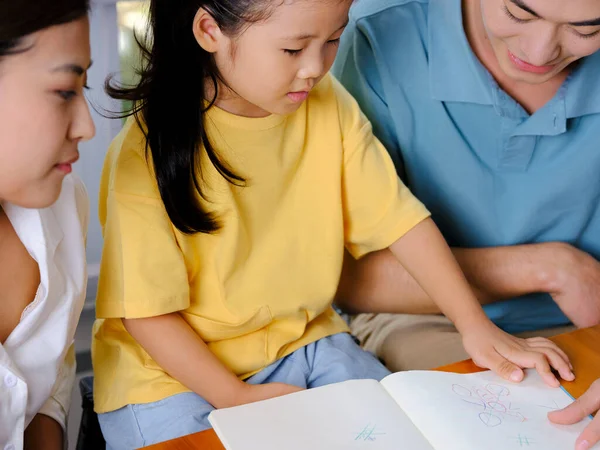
pixel 491 112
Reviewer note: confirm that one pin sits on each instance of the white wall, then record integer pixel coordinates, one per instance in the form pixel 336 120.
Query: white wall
pixel 105 56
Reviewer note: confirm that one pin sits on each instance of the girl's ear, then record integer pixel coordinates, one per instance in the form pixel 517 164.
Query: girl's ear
pixel 206 31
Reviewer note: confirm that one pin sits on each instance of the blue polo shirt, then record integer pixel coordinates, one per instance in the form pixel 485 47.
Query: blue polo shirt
pixel 490 173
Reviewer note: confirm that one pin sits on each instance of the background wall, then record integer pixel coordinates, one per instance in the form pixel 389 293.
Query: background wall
pixel 113 51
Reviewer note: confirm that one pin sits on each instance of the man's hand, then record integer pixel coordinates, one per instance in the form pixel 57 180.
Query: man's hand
pixel 587 404
pixel 43 433
pixel 575 284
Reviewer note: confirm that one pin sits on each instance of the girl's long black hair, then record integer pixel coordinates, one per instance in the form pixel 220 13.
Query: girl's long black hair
pixel 170 101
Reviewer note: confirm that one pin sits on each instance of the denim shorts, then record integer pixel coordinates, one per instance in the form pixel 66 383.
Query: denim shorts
pixel 329 360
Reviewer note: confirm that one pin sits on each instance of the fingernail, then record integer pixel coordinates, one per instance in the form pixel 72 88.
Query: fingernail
pixel 583 445
pixel 571 375
pixel 516 375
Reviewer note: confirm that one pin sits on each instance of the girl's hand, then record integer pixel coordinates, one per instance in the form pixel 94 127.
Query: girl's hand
pixel 507 355
pixel 253 393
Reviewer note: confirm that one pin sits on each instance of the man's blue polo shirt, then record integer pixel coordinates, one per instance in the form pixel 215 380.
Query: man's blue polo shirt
pixel 490 173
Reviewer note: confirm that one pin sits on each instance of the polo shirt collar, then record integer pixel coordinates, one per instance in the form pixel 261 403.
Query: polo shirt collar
pixel 455 73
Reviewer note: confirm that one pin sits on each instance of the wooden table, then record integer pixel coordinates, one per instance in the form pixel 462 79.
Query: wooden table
pixel 582 346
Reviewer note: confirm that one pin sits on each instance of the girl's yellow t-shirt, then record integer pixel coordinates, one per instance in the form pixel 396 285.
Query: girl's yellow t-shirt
pixel 261 287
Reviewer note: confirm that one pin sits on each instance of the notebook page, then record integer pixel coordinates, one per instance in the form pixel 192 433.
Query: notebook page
pixel 474 411
pixel 345 416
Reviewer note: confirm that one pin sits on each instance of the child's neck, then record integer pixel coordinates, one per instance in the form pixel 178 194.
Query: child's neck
pixel 230 101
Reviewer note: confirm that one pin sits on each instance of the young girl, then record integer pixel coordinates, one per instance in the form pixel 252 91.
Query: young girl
pixel 44 54
pixel 226 207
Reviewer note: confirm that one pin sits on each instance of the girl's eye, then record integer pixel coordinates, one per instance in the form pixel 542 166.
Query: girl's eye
pixel 512 17
pixel 294 52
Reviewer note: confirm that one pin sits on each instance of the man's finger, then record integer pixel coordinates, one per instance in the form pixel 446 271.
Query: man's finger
pixel 585 405
pixel 589 436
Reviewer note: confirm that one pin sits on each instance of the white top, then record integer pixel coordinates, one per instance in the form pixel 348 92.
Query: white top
pixel 37 361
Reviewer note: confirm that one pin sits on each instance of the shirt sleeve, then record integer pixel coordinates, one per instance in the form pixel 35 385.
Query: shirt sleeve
pixel 378 208
pixel 142 272
pixel 57 406
pixel 357 69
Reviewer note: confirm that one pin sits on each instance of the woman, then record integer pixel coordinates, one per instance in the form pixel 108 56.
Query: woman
pixel 491 112
pixel 44 55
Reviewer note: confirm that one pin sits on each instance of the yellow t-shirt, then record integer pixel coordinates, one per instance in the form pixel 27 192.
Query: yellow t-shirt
pixel 261 287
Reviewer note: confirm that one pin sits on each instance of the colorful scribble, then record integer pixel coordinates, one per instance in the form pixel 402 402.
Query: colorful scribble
pixel 493 401
pixel 368 433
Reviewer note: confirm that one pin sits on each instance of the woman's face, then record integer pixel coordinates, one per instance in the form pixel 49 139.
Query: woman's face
pixel 43 113
pixel 534 40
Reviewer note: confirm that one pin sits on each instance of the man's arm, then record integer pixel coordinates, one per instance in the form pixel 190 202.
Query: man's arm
pixel 379 283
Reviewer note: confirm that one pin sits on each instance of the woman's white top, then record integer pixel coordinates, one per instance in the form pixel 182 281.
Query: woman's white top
pixel 37 361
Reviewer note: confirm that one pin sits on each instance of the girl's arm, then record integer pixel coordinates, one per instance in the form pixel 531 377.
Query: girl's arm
pixel 174 345
pixel 426 256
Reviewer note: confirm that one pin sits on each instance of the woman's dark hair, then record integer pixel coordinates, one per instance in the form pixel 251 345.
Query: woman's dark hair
pixel 170 101
pixel 19 18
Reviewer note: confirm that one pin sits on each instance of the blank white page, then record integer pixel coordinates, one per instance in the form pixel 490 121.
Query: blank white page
pixel 481 411
pixel 353 415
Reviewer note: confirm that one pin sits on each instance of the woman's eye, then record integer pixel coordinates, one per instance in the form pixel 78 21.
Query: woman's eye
pixel 67 95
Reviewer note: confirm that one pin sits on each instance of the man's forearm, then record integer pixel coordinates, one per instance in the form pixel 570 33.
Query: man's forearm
pixel 379 283
pixel 43 433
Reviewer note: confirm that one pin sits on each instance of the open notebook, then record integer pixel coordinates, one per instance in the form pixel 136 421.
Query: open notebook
pixel 418 410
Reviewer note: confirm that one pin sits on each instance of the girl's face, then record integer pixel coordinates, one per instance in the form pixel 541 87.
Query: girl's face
pixel 43 114
pixel 272 66
pixel 534 40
